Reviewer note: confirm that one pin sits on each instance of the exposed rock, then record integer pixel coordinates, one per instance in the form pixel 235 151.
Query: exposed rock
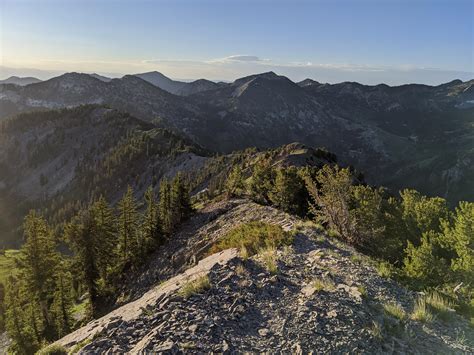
pixel 254 311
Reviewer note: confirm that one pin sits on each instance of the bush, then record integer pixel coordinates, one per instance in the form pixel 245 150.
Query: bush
pixel 53 349
pixel 253 237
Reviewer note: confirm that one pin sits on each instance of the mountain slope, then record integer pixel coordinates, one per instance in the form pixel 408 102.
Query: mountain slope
pixel 177 87
pixel 57 160
pixel 248 308
pixel 130 94
pixel 407 136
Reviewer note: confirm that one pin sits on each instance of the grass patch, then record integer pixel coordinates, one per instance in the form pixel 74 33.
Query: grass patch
pixel 385 269
pixel 53 349
pixel 440 305
pixel 196 286
pixel 324 284
pixel 79 346
pixel 270 259
pixel 8 264
pixel 421 312
pixel 394 310
pixel 250 238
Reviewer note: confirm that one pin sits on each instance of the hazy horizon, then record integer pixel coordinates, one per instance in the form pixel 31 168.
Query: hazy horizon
pixel 426 42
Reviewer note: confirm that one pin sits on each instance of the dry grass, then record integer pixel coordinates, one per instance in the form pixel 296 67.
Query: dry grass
pixel 421 311
pixel 196 286
pixel 324 284
pixel 394 310
pixel 270 259
pixel 250 238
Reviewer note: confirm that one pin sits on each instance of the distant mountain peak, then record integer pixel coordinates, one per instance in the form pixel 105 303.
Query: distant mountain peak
pixel 22 81
pixel 308 82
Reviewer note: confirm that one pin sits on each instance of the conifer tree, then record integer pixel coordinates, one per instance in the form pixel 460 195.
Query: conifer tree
pixel 164 207
pixel 151 223
pixel 39 262
pixel 330 196
pixel 288 192
pixel 106 238
pixel 261 182
pixel 62 304
pixel 128 224
pixel 81 235
pixel 18 327
pixel 179 200
pixel 234 183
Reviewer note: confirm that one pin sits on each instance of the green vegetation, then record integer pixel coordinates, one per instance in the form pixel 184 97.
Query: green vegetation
pixel 198 285
pixel 8 264
pixel 324 284
pixel 415 239
pixel 270 259
pixel 253 237
pixel 39 298
pixel 394 310
pixel 421 311
pixel 54 349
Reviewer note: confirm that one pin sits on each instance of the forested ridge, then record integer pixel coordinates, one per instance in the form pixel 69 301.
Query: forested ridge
pixel 415 239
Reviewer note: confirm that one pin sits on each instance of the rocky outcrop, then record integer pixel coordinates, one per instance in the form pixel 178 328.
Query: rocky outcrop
pixel 157 298
pixel 323 297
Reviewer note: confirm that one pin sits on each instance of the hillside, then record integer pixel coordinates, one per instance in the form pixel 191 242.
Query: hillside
pixel 323 296
pixel 58 160
pixel 416 136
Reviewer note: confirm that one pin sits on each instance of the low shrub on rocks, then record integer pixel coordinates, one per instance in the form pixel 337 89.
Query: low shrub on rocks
pixel 252 237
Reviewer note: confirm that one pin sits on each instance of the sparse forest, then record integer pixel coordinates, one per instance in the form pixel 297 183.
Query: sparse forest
pixel 99 243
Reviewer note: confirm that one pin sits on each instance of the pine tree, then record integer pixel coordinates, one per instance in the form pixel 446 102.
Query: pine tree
pixel 18 327
pixel 128 224
pixel 288 192
pixel 151 224
pixel 164 207
pixel 81 234
pixel 106 238
pixel 39 262
pixel 459 236
pixel 234 183
pixel 330 196
pixel 261 182
pixel 179 200
pixel 62 304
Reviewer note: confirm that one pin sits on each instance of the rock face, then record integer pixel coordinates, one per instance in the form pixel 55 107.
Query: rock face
pixel 249 309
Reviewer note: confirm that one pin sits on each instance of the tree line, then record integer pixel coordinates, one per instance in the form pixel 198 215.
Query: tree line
pixel 424 242
pixel 102 243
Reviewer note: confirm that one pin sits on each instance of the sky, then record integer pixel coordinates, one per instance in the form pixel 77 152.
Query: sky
pixel 394 42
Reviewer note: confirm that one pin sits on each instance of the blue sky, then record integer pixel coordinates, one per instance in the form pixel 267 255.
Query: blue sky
pixel 331 41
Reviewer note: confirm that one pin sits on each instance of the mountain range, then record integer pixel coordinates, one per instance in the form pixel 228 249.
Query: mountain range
pixel 406 136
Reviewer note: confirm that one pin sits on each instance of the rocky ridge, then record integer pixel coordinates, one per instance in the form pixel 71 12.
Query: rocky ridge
pixel 248 308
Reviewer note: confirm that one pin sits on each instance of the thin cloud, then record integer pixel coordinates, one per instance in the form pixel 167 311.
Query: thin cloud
pixel 239 58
